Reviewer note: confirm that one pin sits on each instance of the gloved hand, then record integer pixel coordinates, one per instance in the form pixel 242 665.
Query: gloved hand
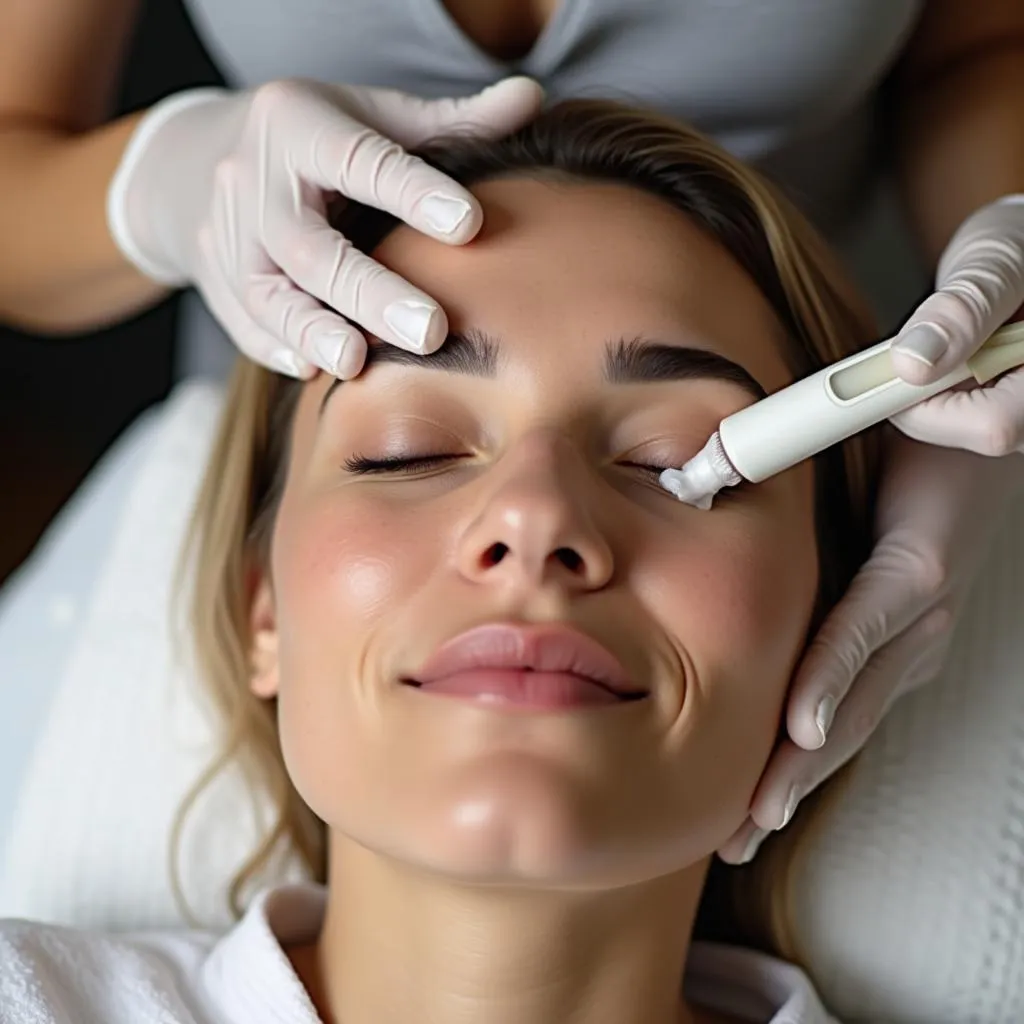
pixel 980 282
pixel 228 191
pixel 937 511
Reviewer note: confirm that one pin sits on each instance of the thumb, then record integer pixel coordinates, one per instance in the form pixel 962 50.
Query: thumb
pixel 980 285
pixel 495 111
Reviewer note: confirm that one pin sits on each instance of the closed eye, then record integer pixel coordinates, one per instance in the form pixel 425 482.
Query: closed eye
pixel 399 464
pixel 647 467
pixel 409 465
pixel 649 473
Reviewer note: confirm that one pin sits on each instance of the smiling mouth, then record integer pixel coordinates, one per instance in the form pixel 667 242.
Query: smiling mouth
pixel 541 667
pixel 525 687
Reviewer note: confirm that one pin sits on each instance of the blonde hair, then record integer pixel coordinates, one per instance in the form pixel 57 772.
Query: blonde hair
pixel 576 141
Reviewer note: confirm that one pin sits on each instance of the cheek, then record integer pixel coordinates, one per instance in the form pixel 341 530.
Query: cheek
pixel 338 567
pixel 341 567
pixel 734 594
pixel 758 599
pixel 737 593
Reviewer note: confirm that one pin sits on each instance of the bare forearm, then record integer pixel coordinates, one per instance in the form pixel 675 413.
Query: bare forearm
pixel 960 139
pixel 60 270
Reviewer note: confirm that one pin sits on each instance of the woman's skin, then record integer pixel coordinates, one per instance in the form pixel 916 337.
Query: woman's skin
pixel 532 867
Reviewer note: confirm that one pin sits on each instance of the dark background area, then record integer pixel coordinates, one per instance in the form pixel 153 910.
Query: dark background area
pixel 63 401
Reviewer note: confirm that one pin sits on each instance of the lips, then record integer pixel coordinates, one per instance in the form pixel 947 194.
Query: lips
pixel 535 666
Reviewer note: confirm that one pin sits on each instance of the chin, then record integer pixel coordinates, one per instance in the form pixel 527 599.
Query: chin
pixel 518 821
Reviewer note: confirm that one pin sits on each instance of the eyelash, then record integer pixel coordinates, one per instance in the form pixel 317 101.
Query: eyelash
pixel 396 463
pixel 399 464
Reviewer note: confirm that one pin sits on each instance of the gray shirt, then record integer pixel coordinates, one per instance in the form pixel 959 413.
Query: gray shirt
pixel 789 85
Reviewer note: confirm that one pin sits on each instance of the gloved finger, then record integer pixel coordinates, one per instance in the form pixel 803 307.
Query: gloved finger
pixel 267 299
pixel 328 147
pixel 980 281
pixel 325 264
pixel 988 420
pixel 901 665
pixel 884 599
pixel 947 328
pixel 251 339
pixel 741 846
pixel 412 121
pixel 318 335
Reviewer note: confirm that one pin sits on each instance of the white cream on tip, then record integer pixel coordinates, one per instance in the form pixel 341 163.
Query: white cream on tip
pixel 697 482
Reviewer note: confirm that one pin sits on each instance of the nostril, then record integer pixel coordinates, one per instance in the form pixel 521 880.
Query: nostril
pixel 569 558
pixel 494 554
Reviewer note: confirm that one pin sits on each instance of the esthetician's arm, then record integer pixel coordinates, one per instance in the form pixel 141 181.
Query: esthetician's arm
pixel 959 115
pixel 60 61
pixel 958 128
pixel 958 133
pixel 224 190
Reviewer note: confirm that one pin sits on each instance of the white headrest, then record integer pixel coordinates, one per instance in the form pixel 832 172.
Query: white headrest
pixel 912 906
pixel 127 732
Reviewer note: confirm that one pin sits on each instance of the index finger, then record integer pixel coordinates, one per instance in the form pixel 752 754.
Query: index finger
pixel 327 147
pixel 988 420
pixel 878 606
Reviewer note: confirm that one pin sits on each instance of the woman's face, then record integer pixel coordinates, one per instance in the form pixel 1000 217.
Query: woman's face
pixel 584 315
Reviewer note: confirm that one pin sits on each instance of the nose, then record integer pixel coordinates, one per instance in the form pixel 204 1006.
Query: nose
pixel 536 528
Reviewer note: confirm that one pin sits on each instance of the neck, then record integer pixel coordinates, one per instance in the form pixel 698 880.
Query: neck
pixel 398 945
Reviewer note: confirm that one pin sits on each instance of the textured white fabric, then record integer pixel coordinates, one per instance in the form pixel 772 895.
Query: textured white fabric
pixel 911 906
pixel 246 978
pixel 127 732
pixel 43 604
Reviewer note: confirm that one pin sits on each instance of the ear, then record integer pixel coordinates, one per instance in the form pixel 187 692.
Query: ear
pixel 263 659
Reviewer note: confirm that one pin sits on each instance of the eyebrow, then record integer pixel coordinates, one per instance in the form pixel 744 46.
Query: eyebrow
pixel 644 361
pixel 636 360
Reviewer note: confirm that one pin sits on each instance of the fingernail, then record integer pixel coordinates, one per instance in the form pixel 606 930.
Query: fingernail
pixel 330 348
pixel 287 362
pixel 791 803
pixel 923 343
pixel 411 321
pixel 445 213
pixel 824 715
pixel 757 837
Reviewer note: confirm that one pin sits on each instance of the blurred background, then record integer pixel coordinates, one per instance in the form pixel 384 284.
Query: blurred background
pixel 64 400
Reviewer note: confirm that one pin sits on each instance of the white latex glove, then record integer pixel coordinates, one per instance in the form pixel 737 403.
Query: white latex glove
pixel 937 511
pixel 228 191
pixel 980 284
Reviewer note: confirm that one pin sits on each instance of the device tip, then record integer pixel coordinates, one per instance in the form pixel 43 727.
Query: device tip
pixel 679 482
pixel 697 482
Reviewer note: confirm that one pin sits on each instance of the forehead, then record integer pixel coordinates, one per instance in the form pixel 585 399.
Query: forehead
pixel 571 262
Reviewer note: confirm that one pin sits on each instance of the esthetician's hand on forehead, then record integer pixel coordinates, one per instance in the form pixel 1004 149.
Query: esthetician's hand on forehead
pixel 228 192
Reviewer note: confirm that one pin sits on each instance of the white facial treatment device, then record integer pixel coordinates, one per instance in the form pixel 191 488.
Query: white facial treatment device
pixel 821 410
